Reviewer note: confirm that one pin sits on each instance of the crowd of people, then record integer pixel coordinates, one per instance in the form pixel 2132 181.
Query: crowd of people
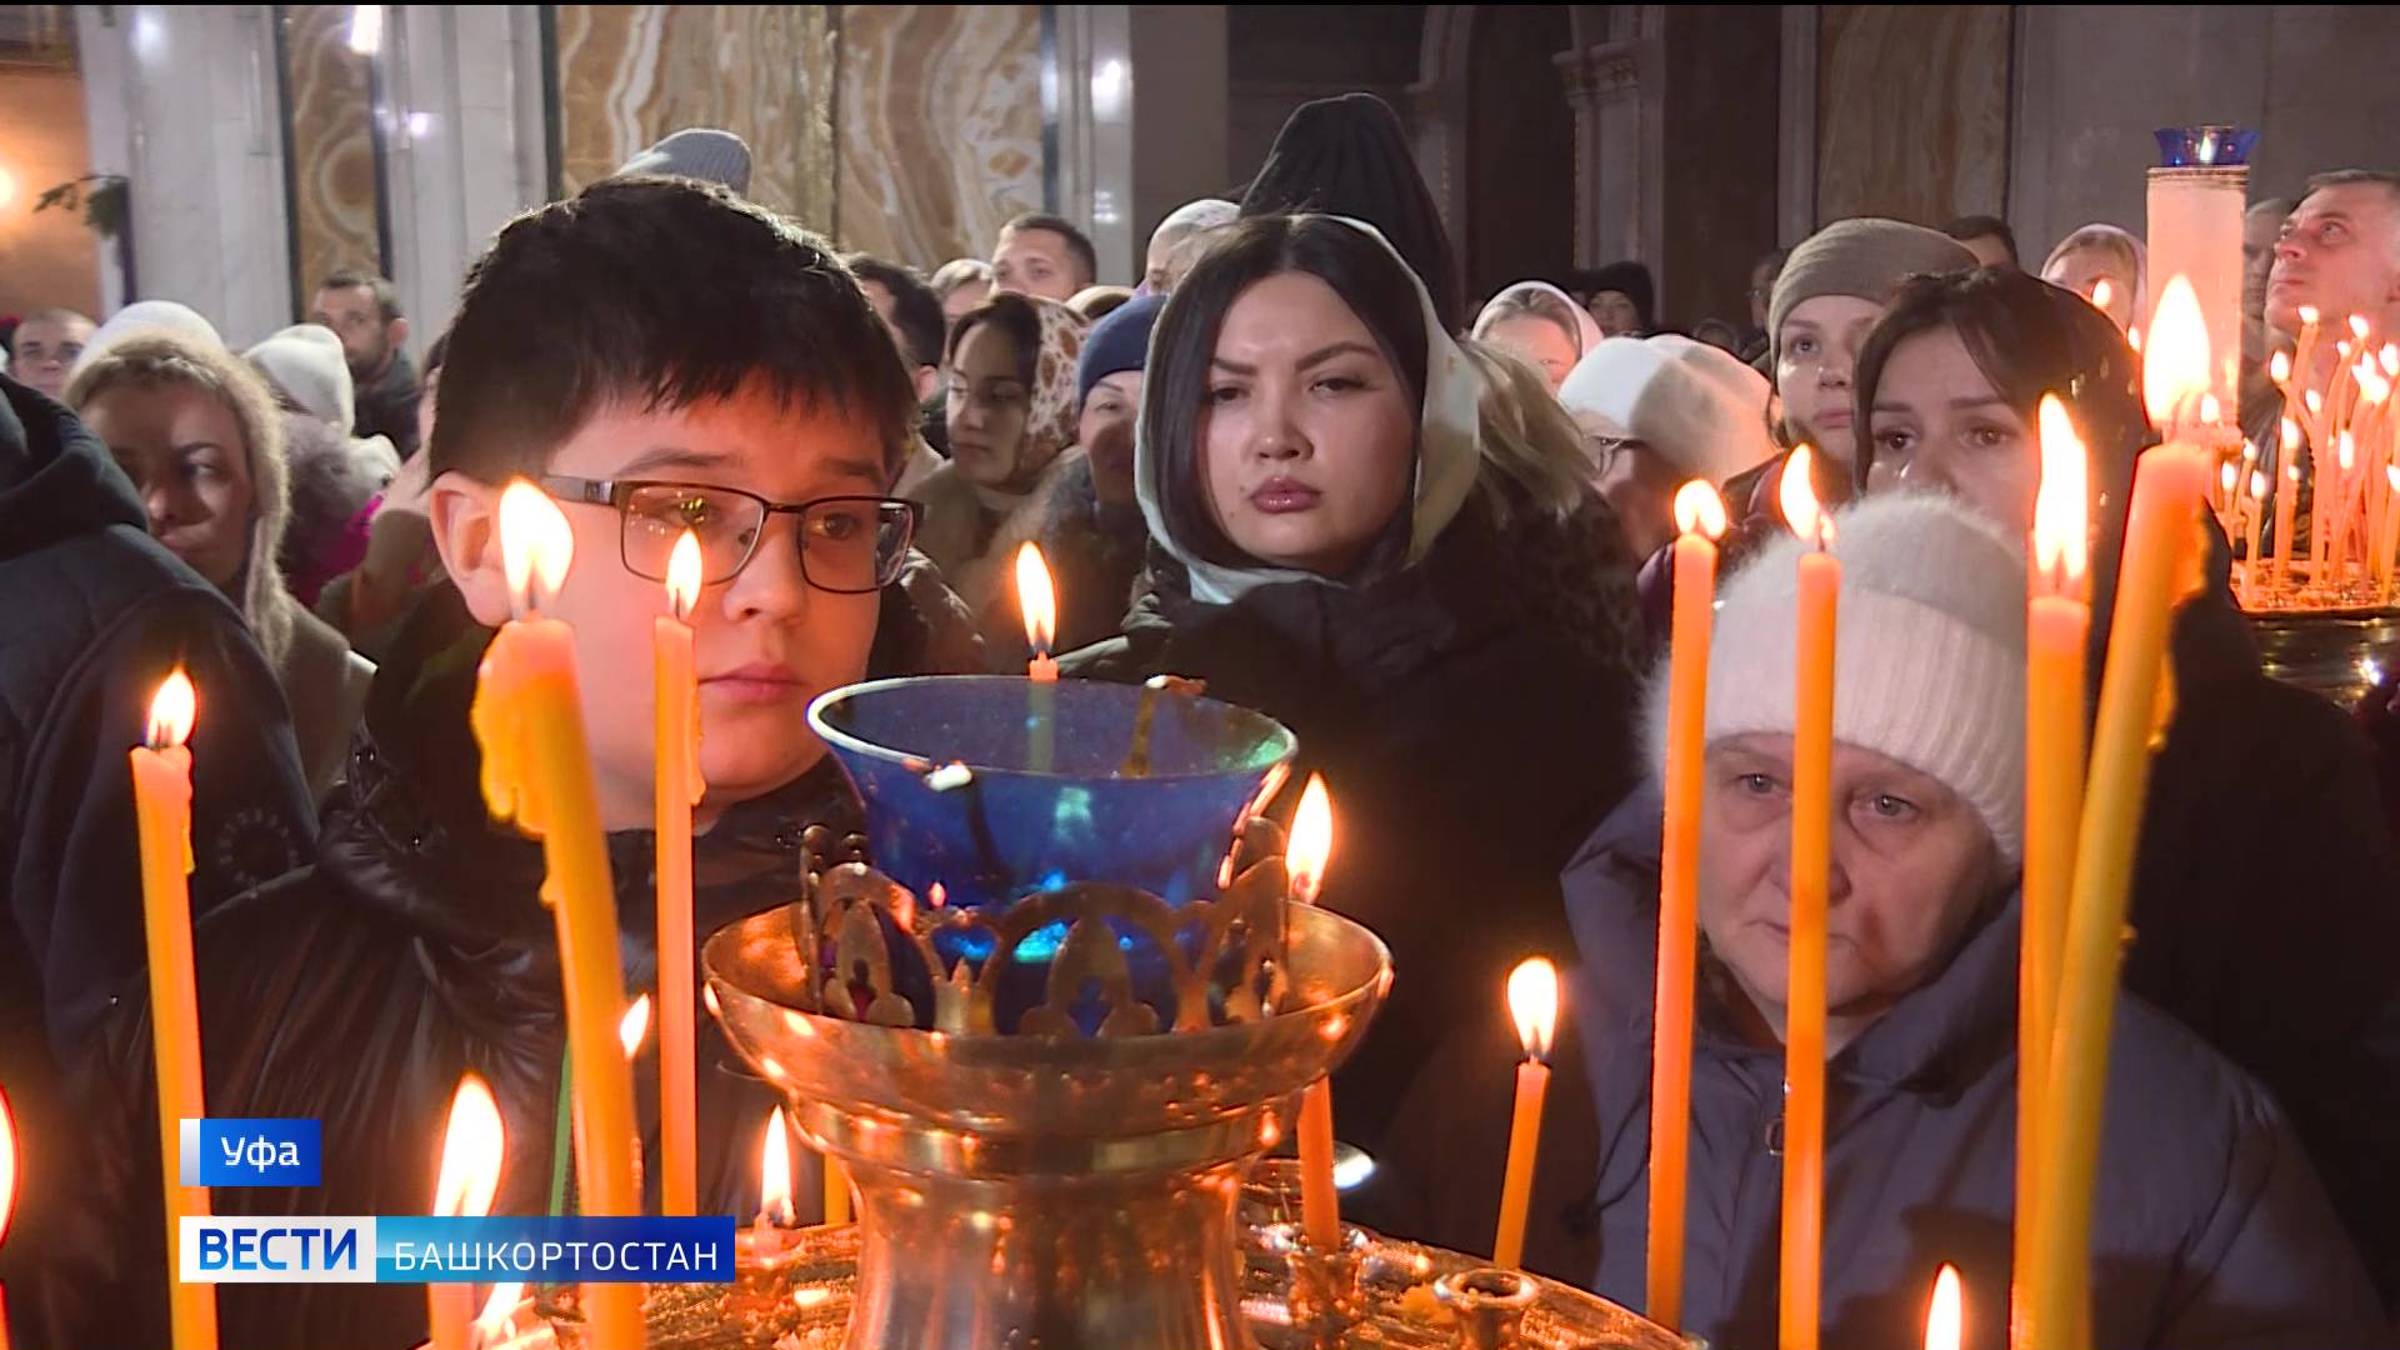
pixel 1290 461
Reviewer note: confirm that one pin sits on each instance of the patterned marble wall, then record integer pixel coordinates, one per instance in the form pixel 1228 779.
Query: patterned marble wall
pixel 332 150
pixel 911 131
pixel 629 74
pixel 940 127
pixel 1912 111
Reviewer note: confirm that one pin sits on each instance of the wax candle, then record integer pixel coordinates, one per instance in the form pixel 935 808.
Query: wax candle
pixel 1699 521
pixel 1820 583
pixel 1946 1315
pixel 676 785
pixel 770 1236
pixel 472 1146
pixel 2287 499
pixel 1310 849
pixel 528 721
pixel 8 1195
pixel 2158 571
pixel 1039 605
pixel 162 800
pixel 2058 624
pixel 1533 1003
pixel 2253 565
pixel 837 1192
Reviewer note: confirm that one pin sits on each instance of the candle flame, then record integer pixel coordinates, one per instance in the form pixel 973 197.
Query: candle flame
pixel 536 545
pixel 2346 450
pixel 775 1173
pixel 2227 477
pixel 2372 387
pixel 472 1147
pixel 1036 599
pixel 172 710
pixel 1798 496
pixel 2358 327
pixel 683 576
pixel 2133 337
pixel 2314 401
pixel 2249 453
pixel 1533 1003
pixel 1945 1321
pixel 2061 510
pixel 8 1166
pixel 2308 314
pixel 2175 369
pixel 2279 367
pixel 2391 475
pixel 2258 487
pixel 634 1026
pixel 499 1311
pixel 2210 410
pixel 2389 358
pixel 2291 436
pixel 1698 507
pixel 2101 294
pixel 1311 844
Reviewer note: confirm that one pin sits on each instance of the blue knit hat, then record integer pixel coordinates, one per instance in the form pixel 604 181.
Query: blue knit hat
pixel 1119 342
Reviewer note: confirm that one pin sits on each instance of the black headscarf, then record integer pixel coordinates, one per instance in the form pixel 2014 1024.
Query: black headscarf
pixel 1348 156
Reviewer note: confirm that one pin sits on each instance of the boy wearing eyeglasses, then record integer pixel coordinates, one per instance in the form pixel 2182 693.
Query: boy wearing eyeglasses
pixel 658 356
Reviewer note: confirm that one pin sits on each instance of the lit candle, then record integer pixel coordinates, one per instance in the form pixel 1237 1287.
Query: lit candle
pixel 676 785
pixel 2391 529
pixel 1533 1003
pixel 528 721
pixel 8 1196
pixel 2287 500
pixel 1310 849
pixel 2058 624
pixel 2229 482
pixel 162 801
pixel 1039 604
pixel 1699 521
pixel 770 1234
pixel 1946 1316
pixel 2337 515
pixel 2253 565
pixel 472 1147
pixel 2160 569
pixel 1820 584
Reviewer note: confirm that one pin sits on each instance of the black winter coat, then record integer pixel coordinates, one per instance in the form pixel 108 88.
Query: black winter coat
pixel 93 614
pixel 356 992
pixel 2211 1230
pixel 1472 716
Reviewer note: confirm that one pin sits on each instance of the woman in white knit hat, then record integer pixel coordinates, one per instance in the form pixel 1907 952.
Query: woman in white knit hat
pixel 198 434
pixel 1659 412
pixel 2212 1228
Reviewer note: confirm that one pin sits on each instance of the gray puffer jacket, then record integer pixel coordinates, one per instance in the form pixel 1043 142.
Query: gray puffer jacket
pixel 2211 1230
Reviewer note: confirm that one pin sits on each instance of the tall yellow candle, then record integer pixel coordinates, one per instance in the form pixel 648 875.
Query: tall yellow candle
pixel 2058 624
pixel 2160 559
pixel 528 721
pixel 1820 584
pixel 2254 567
pixel 472 1146
pixel 1320 1204
pixel 162 801
pixel 676 786
pixel 1699 520
pixel 1039 604
pixel 1533 1003
pixel 2287 498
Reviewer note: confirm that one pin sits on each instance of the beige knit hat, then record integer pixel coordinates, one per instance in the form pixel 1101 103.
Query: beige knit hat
pixel 1865 256
pixel 1929 651
pixel 1697 407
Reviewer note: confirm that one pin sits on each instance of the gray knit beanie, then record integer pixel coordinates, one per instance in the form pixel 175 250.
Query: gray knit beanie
pixel 1867 257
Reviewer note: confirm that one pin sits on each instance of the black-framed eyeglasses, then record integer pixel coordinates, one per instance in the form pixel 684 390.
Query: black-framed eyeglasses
pixel 848 545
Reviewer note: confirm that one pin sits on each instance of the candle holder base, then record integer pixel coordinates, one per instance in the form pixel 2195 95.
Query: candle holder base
pixel 1490 1305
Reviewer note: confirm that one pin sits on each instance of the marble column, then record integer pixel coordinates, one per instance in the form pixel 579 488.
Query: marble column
pixel 1618 203
pixel 463 156
pixel 182 101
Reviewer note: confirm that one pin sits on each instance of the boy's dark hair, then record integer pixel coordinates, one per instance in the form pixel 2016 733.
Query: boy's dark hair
pixel 436 352
pixel 1982 227
pixel 387 296
pixel 1078 243
pixel 916 310
pixel 660 293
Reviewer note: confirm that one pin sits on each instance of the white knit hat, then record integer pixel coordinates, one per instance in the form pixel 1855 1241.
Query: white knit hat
pixel 144 316
pixel 305 362
pixel 1929 651
pixel 1698 407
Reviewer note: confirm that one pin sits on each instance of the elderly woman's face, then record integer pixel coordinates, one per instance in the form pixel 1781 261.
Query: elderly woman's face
pixel 184 450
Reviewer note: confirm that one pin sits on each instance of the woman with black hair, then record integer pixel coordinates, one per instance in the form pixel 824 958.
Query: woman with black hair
pixel 1383 538
pixel 2266 901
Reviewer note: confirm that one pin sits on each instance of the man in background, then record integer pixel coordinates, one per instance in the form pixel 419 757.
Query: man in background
pixel 1043 255
pixel 363 310
pixel 42 350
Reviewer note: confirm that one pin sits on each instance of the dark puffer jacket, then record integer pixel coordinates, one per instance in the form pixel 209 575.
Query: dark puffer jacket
pixel 1472 716
pixel 2211 1229
pixel 93 614
pixel 357 991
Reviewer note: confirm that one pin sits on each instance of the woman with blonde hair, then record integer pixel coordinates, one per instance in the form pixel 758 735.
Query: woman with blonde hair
pixel 198 433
